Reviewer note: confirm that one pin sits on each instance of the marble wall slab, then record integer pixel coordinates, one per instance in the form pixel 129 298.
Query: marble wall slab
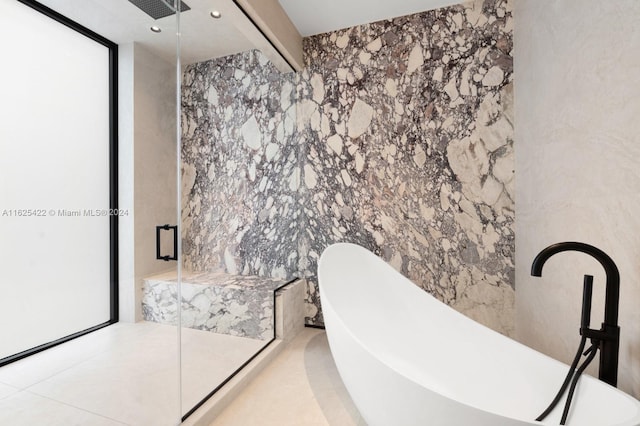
pixel 240 167
pixel 398 136
pixel 406 130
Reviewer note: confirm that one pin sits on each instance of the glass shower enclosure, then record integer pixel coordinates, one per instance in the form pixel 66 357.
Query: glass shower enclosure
pixel 127 294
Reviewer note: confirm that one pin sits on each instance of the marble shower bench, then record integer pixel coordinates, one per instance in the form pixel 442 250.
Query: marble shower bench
pixel 238 305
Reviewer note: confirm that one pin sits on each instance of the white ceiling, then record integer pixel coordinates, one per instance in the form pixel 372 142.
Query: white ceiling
pixel 202 37
pixel 321 16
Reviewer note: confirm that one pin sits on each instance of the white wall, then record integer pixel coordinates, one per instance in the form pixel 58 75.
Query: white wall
pixel 577 108
pixel 126 242
pixel 147 168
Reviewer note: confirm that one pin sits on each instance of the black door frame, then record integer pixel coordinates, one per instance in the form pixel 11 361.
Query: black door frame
pixel 113 178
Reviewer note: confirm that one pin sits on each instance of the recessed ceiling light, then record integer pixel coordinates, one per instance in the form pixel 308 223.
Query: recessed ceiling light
pixel 156 29
pixel 216 14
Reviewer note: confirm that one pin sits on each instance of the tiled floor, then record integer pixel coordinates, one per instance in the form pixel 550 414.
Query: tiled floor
pixel 124 374
pixel 301 387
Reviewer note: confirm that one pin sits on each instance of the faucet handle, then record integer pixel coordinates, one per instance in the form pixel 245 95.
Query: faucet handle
pixel 585 321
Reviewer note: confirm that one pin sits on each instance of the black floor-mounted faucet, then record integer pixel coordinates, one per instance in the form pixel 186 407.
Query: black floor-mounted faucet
pixel 608 336
pixel 607 339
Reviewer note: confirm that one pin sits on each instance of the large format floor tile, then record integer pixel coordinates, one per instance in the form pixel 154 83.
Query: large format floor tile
pixel 128 375
pixel 301 387
pixel 43 365
pixel 26 409
pixel 209 358
pixel 6 390
pixel 125 373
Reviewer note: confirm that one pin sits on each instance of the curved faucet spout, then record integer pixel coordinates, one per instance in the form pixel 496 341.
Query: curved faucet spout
pixel 612 292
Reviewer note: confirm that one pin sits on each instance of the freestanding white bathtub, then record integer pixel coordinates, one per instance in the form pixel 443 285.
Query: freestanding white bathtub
pixel 408 359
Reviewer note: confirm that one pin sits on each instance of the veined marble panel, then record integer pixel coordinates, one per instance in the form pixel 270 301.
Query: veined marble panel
pixel 406 131
pixel 237 305
pixel 240 167
pixel 398 136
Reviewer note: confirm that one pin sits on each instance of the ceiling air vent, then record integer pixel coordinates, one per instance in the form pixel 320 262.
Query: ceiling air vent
pixel 158 8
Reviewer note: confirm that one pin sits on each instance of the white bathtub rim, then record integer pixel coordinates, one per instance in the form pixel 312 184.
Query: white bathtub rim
pixel 634 421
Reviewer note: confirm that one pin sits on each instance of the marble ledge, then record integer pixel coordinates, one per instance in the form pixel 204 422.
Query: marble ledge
pixel 217 302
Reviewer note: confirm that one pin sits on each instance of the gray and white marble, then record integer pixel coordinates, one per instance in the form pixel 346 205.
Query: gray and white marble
pixel 407 135
pixel 240 167
pixel 213 301
pixel 398 136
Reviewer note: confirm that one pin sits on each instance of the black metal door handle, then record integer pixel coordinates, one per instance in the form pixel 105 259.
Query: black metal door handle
pixel 159 255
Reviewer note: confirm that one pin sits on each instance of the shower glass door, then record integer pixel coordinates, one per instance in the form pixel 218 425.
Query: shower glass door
pixel 88 146
pixel 238 163
pixel 204 143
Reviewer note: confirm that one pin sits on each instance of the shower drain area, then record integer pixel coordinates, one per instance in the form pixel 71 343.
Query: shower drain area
pixel 237 305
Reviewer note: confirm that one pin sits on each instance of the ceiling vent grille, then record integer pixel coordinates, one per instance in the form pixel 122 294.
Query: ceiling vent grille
pixel 158 8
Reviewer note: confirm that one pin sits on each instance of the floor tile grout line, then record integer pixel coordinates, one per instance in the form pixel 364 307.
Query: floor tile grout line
pixel 75 341
pixel 31 389
pixel 57 373
pixel 76 407
pixel 15 391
